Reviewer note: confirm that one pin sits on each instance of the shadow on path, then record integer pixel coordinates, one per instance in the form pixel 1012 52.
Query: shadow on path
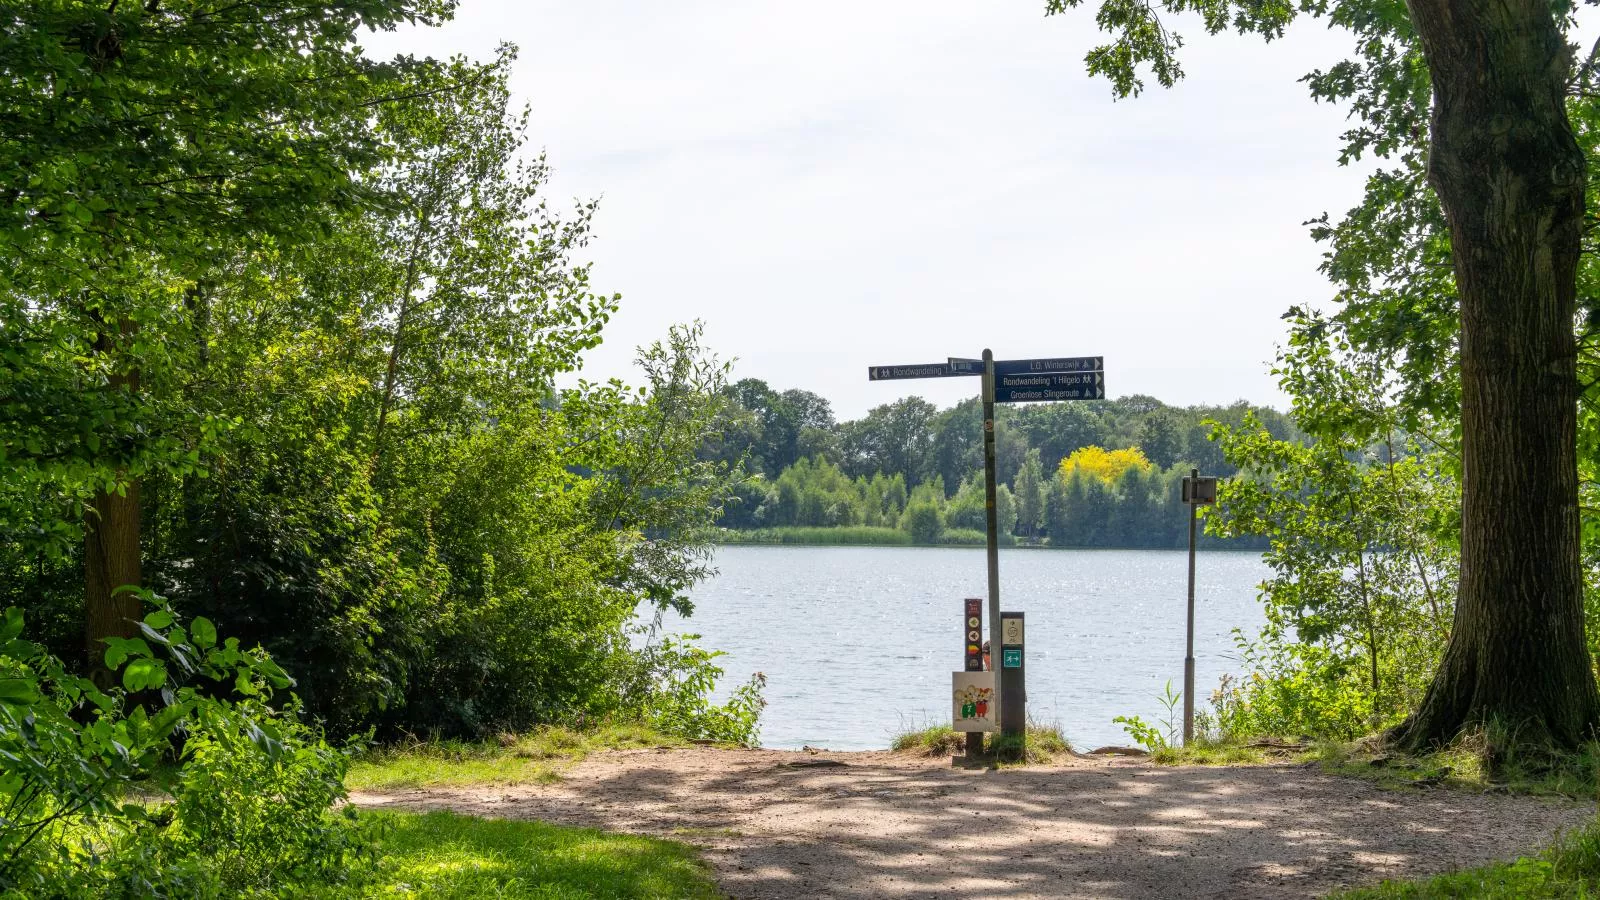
pixel 775 824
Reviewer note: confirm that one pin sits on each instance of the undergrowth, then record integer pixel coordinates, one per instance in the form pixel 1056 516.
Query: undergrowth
pixel 1044 744
pixel 537 757
pixel 1569 868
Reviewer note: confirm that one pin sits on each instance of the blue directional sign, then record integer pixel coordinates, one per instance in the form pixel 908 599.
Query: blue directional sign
pixel 1065 364
pixel 921 370
pixel 1050 380
pixel 1047 388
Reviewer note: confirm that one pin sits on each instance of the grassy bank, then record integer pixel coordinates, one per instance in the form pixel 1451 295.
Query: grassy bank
pixel 455 857
pixel 1044 743
pixel 852 536
pixel 537 757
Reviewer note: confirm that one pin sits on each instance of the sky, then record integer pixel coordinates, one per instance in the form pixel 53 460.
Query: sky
pixel 835 185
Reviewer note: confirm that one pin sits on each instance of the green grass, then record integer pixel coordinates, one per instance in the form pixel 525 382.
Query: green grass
pixel 1571 868
pixel 850 535
pixel 538 757
pixel 1044 743
pixel 1465 766
pixel 1210 753
pixel 445 856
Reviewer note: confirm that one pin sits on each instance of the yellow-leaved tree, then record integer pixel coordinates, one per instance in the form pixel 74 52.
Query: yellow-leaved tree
pixel 1106 465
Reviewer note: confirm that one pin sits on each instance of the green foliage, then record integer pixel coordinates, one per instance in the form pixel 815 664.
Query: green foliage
pixel 1153 738
pixel 1293 689
pixel 923 518
pixel 361 463
pixel 1569 868
pixel 1134 505
pixel 677 679
pixel 537 757
pixel 455 857
pixel 1363 535
pixel 114 211
pixel 854 535
pixel 934 740
pixel 92 808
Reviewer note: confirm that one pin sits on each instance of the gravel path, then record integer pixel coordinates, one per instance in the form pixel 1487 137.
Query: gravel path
pixel 798 824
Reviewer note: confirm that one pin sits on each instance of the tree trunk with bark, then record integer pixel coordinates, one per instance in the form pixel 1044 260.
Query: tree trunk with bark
pixel 111 552
pixel 1510 176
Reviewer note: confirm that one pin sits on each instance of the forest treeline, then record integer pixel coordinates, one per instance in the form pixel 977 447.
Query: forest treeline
pixel 316 406
pixel 912 467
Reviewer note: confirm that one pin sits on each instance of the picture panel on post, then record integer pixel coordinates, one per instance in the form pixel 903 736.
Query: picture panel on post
pixel 972 702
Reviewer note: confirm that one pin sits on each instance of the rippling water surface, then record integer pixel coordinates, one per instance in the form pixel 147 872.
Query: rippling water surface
pixel 858 643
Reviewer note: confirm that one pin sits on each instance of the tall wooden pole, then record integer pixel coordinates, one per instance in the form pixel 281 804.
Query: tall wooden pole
pixel 1188 654
pixel 991 524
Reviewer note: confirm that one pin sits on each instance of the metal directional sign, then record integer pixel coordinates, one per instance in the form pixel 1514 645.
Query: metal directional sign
pixel 1011 657
pixel 1049 386
pixel 919 370
pixel 1064 364
pixel 962 366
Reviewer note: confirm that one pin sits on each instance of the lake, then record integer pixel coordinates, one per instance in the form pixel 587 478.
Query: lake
pixel 858 643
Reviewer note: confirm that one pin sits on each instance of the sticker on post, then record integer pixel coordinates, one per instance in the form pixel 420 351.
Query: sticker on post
pixel 1011 657
pixel 1011 629
pixel 972 702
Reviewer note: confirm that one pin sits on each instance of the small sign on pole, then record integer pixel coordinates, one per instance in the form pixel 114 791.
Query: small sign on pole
pixel 1200 490
pixel 972 631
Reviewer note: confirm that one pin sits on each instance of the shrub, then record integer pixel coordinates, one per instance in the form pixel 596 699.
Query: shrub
pixel 92 807
pixel 677 679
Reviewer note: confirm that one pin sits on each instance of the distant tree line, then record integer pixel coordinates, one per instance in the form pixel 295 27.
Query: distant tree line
pixel 1092 474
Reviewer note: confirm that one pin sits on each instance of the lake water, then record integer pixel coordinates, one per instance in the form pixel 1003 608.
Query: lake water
pixel 858 643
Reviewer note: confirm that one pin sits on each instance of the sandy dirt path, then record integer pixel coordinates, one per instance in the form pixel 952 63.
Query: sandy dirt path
pixel 797 824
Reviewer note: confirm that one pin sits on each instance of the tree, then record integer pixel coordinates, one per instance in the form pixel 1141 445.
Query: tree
pixel 1510 178
pixel 1160 438
pixel 120 184
pixel 895 438
pixel 1102 464
pixel 1030 493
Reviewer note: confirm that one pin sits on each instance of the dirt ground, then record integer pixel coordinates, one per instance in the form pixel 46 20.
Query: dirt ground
pixel 800 824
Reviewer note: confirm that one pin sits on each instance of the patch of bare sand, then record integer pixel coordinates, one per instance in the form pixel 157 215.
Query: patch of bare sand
pixel 798 824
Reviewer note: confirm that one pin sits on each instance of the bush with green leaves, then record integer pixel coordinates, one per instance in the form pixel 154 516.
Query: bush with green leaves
pixel 676 679
pixel 182 782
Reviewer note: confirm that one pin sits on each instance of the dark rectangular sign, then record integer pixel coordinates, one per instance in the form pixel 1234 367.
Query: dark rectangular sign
pixel 972 631
pixel 1064 364
pixel 1051 380
pixel 1047 394
pixel 922 370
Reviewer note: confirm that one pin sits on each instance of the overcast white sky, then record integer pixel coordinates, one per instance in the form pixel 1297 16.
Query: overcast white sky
pixel 832 185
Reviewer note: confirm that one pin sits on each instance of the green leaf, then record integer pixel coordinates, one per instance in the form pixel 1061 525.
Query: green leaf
pixel 19 692
pixel 144 675
pixel 203 632
pixel 12 626
pixel 159 619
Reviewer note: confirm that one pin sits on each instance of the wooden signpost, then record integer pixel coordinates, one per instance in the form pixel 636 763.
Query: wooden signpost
pixel 1007 381
pixel 1197 492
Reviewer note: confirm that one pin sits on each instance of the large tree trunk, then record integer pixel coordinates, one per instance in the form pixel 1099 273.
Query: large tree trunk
pixel 1511 179
pixel 111 552
pixel 110 561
